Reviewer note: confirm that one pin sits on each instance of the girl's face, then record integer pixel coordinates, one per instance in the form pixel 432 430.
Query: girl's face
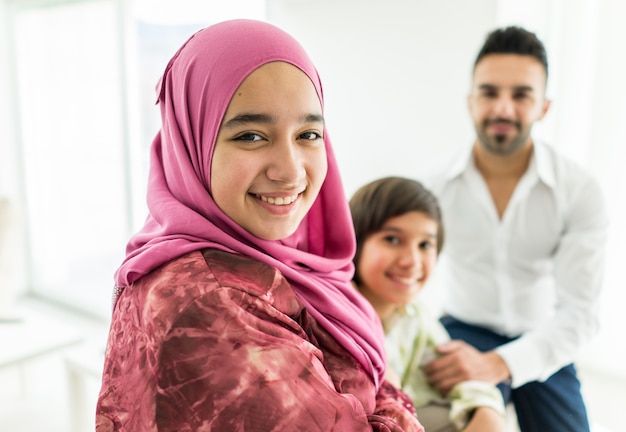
pixel 397 261
pixel 269 162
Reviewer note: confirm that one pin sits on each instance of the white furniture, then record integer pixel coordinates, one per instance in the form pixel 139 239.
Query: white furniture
pixel 84 372
pixel 31 337
pixel 9 250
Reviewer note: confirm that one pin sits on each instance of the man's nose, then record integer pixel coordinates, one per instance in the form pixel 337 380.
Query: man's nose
pixel 504 107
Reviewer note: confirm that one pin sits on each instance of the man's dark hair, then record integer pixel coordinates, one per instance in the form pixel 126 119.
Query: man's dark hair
pixel 514 40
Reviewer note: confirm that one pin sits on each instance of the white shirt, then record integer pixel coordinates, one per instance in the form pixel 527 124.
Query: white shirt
pixel 537 271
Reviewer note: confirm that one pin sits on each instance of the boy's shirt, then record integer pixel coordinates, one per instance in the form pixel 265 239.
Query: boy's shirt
pixel 412 335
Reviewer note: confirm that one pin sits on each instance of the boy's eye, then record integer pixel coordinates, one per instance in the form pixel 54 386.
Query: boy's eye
pixel 391 239
pixel 426 245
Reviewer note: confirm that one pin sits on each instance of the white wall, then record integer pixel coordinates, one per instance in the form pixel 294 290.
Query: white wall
pixel 7 152
pixel 12 260
pixel 395 75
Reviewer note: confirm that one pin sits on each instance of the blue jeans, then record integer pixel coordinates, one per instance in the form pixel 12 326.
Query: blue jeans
pixel 554 405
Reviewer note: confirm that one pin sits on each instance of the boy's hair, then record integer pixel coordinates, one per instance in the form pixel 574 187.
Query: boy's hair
pixel 376 202
pixel 514 40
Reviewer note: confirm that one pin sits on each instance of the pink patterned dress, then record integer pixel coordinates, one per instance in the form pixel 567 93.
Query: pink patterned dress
pixel 214 341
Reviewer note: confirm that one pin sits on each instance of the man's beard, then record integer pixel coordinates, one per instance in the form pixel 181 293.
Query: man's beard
pixel 501 144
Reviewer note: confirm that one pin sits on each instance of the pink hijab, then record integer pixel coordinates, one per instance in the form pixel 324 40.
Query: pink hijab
pixel 194 93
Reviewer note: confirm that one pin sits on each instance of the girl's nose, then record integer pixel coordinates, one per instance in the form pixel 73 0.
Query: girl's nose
pixel 285 163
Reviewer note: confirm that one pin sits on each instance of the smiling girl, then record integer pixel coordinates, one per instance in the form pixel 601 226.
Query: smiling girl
pixel 234 309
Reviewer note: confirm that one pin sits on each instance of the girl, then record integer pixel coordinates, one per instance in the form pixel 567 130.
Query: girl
pixel 234 308
pixel 399 236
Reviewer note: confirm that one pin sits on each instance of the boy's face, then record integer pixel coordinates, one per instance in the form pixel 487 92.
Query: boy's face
pixel 507 98
pixel 396 261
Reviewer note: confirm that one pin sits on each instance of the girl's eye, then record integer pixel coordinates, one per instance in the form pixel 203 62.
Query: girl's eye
pixel 249 136
pixel 311 136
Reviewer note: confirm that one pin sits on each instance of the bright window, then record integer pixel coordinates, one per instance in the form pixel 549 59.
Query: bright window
pixel 73 149
pixel 85 76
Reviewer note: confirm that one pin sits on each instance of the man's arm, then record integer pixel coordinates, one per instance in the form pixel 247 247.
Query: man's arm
pixel 460 361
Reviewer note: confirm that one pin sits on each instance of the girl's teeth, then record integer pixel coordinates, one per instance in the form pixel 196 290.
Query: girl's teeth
pixel 278 200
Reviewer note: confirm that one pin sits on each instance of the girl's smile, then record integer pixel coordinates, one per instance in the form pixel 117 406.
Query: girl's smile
pixel 269 162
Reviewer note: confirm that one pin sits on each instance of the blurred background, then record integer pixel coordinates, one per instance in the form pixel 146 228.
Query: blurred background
pixel 78 114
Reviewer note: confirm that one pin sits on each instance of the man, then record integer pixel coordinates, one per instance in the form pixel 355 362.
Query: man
pixel 525 238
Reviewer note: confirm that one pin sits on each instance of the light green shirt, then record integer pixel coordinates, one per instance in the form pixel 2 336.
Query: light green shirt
pixel 411 337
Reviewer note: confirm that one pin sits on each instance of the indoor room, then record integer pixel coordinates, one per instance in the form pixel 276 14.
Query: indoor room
pixel 78 82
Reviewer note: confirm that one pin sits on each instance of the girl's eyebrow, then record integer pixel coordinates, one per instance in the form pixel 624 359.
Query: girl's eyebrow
pixel 314 118
pixel 247 118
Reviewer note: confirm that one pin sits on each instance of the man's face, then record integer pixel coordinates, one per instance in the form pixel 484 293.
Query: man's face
pixel 507 98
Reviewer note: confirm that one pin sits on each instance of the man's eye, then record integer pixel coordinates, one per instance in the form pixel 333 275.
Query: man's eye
pixel 520 96
pixel 249 137
pixel 311 136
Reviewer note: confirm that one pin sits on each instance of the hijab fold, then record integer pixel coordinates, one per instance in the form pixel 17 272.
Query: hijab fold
pixel 193 94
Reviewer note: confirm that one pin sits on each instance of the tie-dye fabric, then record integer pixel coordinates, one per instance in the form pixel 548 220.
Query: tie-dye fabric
pixel 213 341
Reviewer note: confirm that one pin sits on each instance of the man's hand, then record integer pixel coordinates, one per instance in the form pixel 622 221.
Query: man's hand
pixel 460 361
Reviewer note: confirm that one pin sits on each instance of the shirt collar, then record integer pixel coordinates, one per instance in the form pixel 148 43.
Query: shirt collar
pixel 540 162
pixel 543 162
pixel 461 164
